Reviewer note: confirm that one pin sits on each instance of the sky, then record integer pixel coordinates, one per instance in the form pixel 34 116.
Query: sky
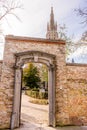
pixel 36 13
pixel 79 56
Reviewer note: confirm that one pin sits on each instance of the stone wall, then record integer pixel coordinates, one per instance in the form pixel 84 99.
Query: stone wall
pixel 77 93
pixel 20 44
pixel 0 68
pixel 71 81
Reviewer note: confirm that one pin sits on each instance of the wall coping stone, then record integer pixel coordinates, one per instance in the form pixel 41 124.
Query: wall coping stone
pixel 76 64
pixel 43 40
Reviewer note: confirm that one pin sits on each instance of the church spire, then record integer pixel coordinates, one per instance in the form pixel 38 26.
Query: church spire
pixel 52 19
pixel 52 27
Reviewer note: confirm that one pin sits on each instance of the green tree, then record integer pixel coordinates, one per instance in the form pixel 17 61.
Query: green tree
pixel 31 77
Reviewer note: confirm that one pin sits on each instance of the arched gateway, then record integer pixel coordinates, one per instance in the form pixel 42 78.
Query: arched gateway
pixel 65 81
pixel 37 57
pixel 21 50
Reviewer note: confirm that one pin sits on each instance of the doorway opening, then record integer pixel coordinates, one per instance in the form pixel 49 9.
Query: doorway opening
pixel 36 57
pixel 34 100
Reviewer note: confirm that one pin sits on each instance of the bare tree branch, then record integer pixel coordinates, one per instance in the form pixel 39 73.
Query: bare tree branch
pixel 8 7
pixel 82 12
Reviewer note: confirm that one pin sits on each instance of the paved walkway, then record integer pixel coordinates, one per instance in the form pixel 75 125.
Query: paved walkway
pixel 35 117
pixel 31 126
pixel 33 112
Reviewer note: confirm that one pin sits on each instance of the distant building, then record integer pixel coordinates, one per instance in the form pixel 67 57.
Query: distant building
pixel 52 27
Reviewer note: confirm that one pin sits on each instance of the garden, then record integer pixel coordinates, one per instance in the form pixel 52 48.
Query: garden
pixel 35 82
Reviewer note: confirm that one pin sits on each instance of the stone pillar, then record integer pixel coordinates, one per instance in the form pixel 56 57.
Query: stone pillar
pixel 17 99
pixel 51 95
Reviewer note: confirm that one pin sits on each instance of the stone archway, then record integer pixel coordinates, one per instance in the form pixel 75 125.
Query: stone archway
pixel 37 57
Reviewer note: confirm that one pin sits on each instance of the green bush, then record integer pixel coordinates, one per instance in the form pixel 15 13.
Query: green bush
pixel 37 94
pixel 43 95
pixel 39 101
pixel 35 89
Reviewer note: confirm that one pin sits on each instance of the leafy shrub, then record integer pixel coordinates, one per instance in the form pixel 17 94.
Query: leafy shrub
pixel 39 101
pixel 37 94
pixel 43 95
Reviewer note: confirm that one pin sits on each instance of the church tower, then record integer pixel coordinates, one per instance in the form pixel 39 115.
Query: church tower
pixel 52 27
